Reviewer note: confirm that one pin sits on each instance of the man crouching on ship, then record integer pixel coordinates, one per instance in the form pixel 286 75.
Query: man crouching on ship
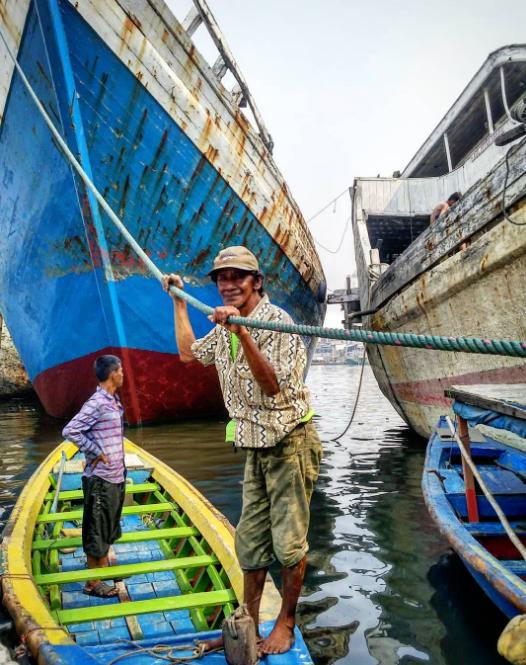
pixel 261 376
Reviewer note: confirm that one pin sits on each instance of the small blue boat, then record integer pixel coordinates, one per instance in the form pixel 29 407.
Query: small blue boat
pixel 461 511
pixel 174 567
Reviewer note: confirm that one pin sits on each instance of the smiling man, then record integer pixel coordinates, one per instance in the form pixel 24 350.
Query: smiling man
pixel 261 375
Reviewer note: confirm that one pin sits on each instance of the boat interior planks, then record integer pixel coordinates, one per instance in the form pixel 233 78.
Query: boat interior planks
pixel 480 537
pixel 174 568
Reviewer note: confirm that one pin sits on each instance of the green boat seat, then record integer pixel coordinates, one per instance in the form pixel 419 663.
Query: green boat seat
pixel 131 537
pixel 165 604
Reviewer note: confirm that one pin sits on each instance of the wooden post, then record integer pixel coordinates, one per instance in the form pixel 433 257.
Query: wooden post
pixel 469 481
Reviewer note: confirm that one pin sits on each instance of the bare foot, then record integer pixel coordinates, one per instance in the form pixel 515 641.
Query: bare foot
pixel 280 639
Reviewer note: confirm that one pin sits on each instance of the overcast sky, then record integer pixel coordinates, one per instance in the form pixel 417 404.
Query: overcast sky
pixel 352 88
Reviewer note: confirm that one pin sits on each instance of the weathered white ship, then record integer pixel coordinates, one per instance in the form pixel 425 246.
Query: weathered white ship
pixel 465 274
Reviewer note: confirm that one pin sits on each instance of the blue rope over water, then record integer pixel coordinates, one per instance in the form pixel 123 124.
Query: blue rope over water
pixel 498 347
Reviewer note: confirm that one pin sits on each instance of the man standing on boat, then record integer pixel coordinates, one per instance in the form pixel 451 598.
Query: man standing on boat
pixel 261 376
pixel 97 430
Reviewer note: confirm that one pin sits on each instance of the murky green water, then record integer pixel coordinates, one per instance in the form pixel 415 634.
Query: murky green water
pixel 381 586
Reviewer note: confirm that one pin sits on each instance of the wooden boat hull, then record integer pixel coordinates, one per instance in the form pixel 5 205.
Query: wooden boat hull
pixel 476 292
pixel 176 553
pixel 464 277
pixel 175 158
pixel 484 548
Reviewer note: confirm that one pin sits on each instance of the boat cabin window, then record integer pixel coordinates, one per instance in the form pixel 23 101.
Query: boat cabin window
pixel 392 234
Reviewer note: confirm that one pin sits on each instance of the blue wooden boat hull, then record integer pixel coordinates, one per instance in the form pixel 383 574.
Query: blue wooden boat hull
pixel 70 287
pixel 486 551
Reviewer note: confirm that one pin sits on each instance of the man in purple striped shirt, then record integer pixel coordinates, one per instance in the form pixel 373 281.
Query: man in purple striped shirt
pixel 97 430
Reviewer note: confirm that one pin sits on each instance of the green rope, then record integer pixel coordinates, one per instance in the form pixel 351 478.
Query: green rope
pixel 498 347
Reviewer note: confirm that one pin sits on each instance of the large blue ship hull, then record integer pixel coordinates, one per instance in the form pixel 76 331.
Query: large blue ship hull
pixel 70 286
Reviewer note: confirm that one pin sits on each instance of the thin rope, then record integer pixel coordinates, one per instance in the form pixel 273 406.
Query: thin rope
pixel 500 347
pixel 489 496
pixel 356 400
pixel 331 202
pixel 165 652
pixel 335 251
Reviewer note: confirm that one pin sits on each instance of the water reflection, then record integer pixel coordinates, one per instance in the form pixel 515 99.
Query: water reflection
pixel 379 588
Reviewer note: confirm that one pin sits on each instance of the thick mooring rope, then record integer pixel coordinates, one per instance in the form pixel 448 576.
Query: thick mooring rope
pixel 499 347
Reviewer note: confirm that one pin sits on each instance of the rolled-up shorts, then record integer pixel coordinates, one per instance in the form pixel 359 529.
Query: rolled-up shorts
pixel 277 489
pixel 102 513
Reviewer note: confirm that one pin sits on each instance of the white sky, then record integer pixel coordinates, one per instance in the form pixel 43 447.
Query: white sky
pixel 352 88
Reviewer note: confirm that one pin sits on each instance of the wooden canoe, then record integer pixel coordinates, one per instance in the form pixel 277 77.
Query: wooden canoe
pixel 180 575
pixel 483 546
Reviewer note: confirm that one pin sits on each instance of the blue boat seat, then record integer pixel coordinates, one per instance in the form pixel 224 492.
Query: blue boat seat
pixel 502 481
pixel 494 528
pixel 515 566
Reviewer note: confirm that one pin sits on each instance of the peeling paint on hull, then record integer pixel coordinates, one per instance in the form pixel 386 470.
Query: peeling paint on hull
pixel 459 297
pixel 175 160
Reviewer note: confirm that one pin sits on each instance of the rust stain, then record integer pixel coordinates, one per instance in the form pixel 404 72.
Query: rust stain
pixel 128 28
pixel 165 35
pixel 159 150
pixel 484 262
pixel 142 48
pixel 212 153
pixel 205 134
pixel 124 197
pixel 201 257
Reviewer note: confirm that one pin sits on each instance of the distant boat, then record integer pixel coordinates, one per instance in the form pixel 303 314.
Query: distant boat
pixel 464 275
pixel 169 147
pixel 176 556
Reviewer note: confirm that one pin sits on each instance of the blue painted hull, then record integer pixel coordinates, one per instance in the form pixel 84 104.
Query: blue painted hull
pixel 483 546
pixel 59 301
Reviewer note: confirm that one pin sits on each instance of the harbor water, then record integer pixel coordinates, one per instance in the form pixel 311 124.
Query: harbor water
pixel 381 585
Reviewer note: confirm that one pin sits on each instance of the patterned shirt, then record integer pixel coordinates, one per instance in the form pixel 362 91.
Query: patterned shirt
pixel 98 428
pixel 262 421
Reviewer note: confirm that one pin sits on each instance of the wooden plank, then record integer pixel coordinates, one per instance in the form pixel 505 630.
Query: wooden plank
pixel 72 495
pixel 501 398
pixel 469 480
pixel 126 570
pixel 478 529
pixel 517 567
pixel 128 537
pixel 502 481
pixel 170 603
pixel 132 623
pixel 477 208
pixel 127 510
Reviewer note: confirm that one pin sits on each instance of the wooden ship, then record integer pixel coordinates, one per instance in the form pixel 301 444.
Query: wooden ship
pixel 464 274
pixel 179 150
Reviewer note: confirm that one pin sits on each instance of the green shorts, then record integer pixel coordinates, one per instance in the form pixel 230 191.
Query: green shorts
pixel 277 490
pixel 102 513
